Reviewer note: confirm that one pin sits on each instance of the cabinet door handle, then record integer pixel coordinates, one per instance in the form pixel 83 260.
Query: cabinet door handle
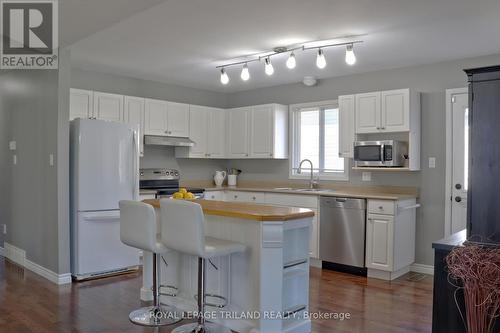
pixel 380 207
pixel 271 154
pixel 254 198
pixel 166 132
pixel 236 197
pixel 382 128
pixel 246 154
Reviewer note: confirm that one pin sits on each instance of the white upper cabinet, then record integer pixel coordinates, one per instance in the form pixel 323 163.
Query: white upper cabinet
pixel 346 125
pixel 155 117
pixel 166 118
pixel 207 127
pixel 216 134
pixel 368 117
pixel 386 111
pixel 134 115
pixel 238 127
pixel 108 106
pixel 259 131
pixel 395 110
pixel 178 119
pixel 81 104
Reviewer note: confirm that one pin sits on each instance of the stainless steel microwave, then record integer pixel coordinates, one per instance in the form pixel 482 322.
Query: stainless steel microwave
pixel 386 153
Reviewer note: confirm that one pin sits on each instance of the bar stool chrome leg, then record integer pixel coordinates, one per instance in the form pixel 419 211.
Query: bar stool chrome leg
pixel 156 315
pixel 202 326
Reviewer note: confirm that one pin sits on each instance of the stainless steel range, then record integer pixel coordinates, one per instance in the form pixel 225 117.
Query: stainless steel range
pixel 165 182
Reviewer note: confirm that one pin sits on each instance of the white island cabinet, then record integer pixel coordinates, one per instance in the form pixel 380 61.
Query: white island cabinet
pixel 271 278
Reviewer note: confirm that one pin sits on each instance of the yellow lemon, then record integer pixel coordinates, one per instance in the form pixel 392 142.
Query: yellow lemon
pixel 177 195
pixel 189 196
pixel 183 190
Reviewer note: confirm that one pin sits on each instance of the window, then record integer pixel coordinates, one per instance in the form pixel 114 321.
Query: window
pixel 315 136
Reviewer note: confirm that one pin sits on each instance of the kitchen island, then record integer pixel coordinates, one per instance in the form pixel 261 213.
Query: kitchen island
pixel 266 287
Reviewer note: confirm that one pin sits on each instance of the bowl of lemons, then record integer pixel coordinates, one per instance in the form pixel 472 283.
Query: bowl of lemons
pixel 183 194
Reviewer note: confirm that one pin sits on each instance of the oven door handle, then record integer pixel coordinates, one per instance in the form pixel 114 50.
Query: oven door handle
pixel 382 148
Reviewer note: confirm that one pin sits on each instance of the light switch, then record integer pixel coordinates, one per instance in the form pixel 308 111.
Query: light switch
pixel 12 145
pixel 366 176
pixel 432 162
pixel 14 159
pixel 51 159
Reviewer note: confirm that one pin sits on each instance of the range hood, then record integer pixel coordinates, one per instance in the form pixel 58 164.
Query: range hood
pixel 167 141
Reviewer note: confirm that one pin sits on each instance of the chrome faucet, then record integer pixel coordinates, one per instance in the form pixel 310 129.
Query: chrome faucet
pixel 312 182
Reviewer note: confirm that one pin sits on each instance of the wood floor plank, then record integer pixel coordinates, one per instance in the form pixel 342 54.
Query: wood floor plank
pixel 31 304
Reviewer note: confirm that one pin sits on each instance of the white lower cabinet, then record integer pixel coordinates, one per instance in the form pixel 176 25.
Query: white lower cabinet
pixel 243 196
pixel 215 195
pixel 390 238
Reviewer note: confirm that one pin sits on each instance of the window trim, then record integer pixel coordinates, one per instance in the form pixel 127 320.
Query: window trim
pixel 294 131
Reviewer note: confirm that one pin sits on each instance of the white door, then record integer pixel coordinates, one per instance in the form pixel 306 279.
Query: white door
pixel 178 119
pixel 106 165
pixel 108 106
pixel 368 113
pixel 198 122
pixel 155 117
pixel 80 104
pixel 460 140
pixel 134 115
pixel 395 111
pixel 346 125
pixel 379 241
pixel 261 132
pixel 238 132
pixel 216 136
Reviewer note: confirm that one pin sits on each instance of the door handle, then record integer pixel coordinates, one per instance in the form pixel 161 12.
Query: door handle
pixel 458 199
pixel 458 186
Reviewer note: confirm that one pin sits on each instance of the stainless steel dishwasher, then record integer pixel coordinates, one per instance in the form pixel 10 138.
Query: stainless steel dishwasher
pixel 342 234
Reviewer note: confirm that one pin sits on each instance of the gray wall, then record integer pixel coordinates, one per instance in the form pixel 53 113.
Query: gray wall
pixel 431 81
pixel 38 211
pixel 135 87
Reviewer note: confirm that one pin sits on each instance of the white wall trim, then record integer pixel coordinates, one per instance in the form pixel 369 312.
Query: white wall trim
pixel 18 256
pixel 421 268
pixel 449 158
pixel 1 251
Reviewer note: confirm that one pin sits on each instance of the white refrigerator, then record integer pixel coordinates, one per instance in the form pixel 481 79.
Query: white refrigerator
pixel 104 169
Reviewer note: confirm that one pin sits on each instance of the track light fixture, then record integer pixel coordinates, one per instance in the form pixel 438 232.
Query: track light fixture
pixel 224 78
pixel 350 58
pixel 269 69
pixel 320 59
pixel 245 74
pixel 291 62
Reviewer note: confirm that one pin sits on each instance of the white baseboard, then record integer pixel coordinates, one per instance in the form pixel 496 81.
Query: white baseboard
pixel 421 268
pixel 313 262
pixel 18 256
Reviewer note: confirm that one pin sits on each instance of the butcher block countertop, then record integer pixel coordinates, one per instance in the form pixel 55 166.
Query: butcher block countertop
pixel 247 211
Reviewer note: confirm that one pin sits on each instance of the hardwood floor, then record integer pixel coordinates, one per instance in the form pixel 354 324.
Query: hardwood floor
pixel 29 303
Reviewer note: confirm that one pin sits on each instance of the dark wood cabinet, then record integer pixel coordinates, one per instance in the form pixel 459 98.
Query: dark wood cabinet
pixel 483 206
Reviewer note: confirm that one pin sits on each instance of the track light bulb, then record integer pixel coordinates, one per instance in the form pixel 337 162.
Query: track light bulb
pixel 320 59
pixel 245 74
pixel 291 63
pixel 350 58
pixel 224 78
pixel 269 69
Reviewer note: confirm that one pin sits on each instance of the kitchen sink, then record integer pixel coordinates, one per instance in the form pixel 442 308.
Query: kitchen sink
pixel 303 189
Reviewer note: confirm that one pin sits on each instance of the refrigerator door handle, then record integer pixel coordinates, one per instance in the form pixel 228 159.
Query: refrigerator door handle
pixel 102 218
pixel 135 168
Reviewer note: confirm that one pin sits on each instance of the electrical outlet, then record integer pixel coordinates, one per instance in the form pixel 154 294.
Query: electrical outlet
pixel 4 229
pixel 12 145
pixel 366 176
pixel 51 159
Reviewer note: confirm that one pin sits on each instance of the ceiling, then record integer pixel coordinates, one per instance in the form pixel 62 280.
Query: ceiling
pixel 181 41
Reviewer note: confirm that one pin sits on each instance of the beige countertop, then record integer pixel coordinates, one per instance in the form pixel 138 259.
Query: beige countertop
pixel 378 192
pixel 247 211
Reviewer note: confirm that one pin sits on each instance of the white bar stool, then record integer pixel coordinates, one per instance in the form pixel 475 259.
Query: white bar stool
pixel 183 230
pixel 138 228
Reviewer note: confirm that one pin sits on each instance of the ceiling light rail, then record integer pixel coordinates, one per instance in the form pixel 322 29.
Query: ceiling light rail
pixel 350 59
